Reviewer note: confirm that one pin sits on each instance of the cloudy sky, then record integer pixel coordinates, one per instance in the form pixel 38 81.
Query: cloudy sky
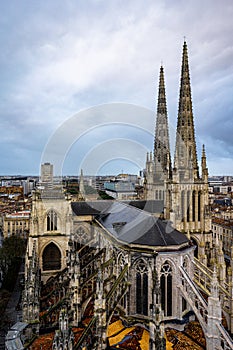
pixel 61 58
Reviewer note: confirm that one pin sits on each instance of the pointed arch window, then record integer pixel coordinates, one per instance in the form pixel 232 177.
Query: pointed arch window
pixel 52 220
pixel 193 204
pixel 160 194
pixel 199 205
pixel 182 205
pixel 51 257
pixel 141 288
pixel 166 288
pixel 188 206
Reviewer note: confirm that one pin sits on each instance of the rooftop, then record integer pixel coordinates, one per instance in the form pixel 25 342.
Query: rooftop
pixel 131 225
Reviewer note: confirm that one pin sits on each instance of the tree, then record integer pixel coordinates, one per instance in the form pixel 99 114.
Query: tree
pixel 12 250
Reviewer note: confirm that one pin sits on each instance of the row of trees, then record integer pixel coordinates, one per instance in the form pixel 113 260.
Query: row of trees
pixel 11 253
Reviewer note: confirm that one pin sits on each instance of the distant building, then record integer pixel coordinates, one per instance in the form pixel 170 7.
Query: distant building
pixel 220 187
pixel 223 201
pixel 46 173
pixel 223 234
pixel 120 189
pixel 16 224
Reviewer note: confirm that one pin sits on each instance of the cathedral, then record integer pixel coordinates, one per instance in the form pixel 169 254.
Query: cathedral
pixel 182 189
pixel 128 275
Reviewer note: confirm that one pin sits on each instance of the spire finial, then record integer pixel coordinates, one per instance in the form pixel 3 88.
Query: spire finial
pixel 204 164
pixel 203 150
pixel 81 194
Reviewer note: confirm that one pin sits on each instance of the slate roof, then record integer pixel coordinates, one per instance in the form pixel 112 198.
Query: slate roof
pixel 89 208
pixel 151 206
pixel 95 207
pixel 131 225
pixel 135 226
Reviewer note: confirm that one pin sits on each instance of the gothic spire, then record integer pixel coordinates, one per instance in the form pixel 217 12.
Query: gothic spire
pixel 185 151
pixel 162 105
pixel 161 142
pixel 81 194
pixel 204 165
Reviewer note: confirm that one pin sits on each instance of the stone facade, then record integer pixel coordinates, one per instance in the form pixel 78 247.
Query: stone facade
pixel 50 225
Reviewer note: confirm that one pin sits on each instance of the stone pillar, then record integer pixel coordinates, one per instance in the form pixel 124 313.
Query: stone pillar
pixel 100 313
pixel 64 337
pixel 214 316
pixel 202 211
pixel 157 340
pixel 73 264
pixel 185 211
pixel 196 210
pixel 221 263
pixel 201 252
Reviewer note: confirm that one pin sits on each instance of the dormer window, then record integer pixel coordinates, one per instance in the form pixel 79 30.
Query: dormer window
pixel 118 225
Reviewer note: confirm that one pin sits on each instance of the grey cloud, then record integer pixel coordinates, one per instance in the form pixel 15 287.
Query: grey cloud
pixel 57 62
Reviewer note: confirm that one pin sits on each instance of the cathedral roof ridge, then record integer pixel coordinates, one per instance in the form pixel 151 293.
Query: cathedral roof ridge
pixel 135 226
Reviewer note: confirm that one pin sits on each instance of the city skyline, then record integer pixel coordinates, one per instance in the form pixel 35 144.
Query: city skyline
pixel 54 65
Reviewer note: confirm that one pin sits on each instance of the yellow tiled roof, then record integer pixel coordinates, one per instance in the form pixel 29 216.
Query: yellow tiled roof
pixel 169 345
pixel 114 328
pixel 118 338
pixel 144 342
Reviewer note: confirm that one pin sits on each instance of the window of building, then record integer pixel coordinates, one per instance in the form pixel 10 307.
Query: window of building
pixel 141 288
pixel 199 205
pixel 188 206
pixel 51 257
pixel 52 221
pixel 166 289
pixel 193 204
pixel 182 206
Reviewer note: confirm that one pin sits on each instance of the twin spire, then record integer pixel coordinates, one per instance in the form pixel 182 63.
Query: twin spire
pixel 185 150
pixel 161 142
